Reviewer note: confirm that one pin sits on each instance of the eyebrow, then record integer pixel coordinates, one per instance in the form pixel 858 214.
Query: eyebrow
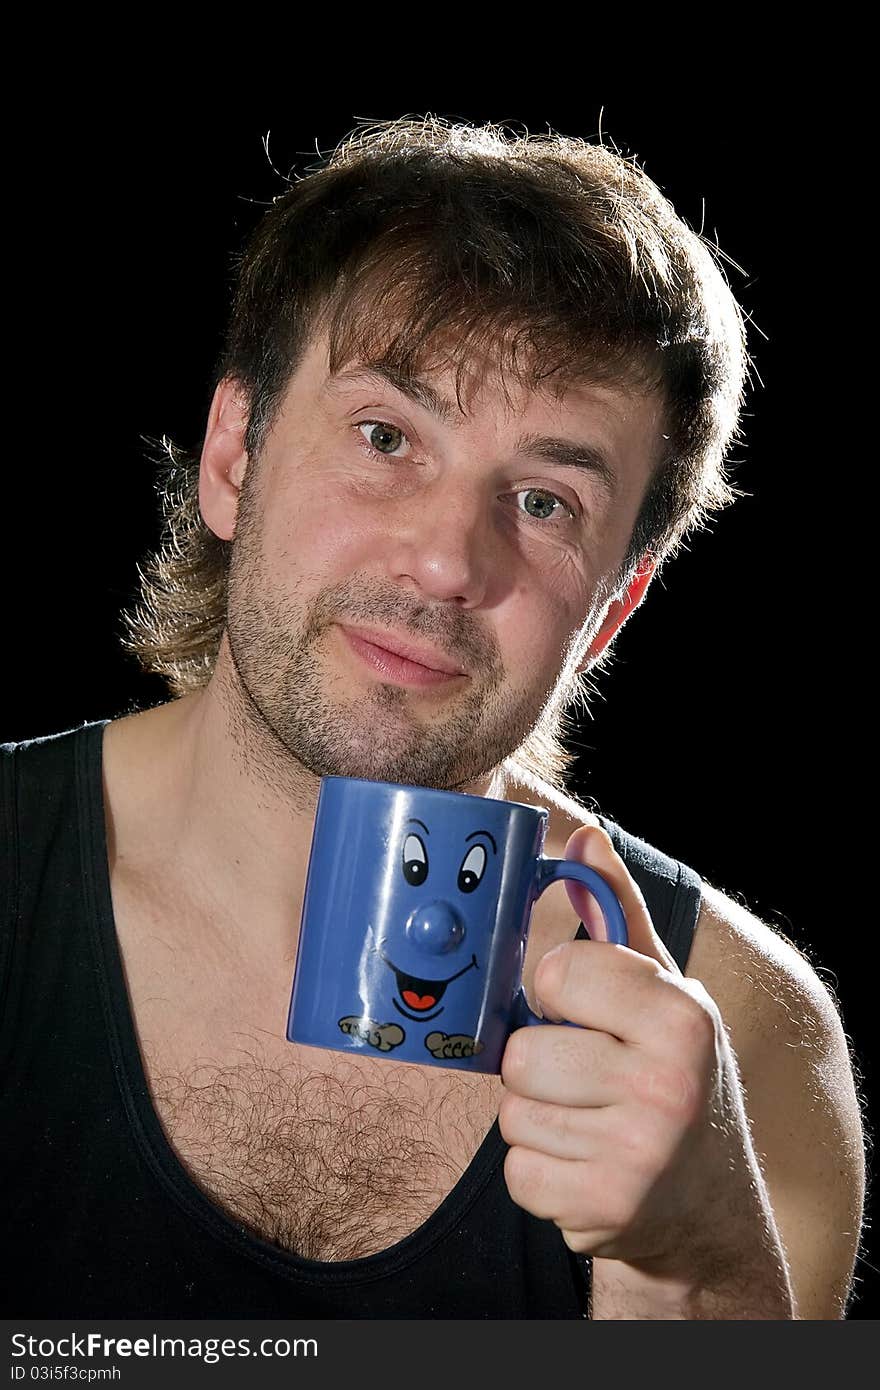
pixel 567 453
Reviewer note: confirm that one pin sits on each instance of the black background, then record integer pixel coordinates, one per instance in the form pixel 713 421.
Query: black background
pixel 729 732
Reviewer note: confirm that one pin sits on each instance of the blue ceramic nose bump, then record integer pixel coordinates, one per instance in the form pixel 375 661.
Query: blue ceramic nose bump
pixel 435 928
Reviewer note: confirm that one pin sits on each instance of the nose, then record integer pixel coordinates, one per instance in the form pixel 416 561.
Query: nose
pixel 443 543
pixel 435 928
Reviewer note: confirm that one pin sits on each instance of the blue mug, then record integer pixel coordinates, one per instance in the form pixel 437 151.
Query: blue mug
pixel 415 920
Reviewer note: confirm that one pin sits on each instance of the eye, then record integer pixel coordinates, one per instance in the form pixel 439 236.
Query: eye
pixel 382 439
pixel 542 505
pixel 415 861
pixel 472 869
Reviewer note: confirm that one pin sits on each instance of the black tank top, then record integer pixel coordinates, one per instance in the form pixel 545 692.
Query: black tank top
pixel 101 1218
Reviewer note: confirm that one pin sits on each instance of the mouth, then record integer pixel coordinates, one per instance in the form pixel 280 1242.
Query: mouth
pixel 401 662
pixel 421 996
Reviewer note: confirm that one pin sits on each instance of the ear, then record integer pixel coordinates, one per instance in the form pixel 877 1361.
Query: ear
pixel 620 609
pixel 224 459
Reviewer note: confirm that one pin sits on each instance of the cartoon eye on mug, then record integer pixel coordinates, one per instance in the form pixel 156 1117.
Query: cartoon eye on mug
pixel 472 869
pixel 415 860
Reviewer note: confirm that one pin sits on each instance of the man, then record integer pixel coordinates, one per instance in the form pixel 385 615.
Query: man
pixel 475 391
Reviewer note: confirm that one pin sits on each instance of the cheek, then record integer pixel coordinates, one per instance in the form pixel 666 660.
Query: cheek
pixel 541 624
pixel 560 578
pixel 314 518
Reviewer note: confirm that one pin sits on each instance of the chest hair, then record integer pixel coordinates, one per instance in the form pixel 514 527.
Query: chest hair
pixel 331 1160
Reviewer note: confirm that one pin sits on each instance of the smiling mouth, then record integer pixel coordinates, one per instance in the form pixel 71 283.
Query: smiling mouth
pixel 395 668
pixel 421 995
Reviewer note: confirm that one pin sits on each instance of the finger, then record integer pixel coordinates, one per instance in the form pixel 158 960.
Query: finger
pixel 562 1131
pixel 568 1066
pixel 605 987
pixel 569 1193
pixel 592 845
pixel 626 1086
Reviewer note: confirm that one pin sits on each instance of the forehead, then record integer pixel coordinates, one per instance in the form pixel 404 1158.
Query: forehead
pixel 615 414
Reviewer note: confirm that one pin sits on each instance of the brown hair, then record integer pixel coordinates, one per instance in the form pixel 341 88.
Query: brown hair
pixel 549 257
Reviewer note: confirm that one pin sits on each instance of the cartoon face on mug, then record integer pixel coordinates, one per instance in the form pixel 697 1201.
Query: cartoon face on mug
pixel 424 975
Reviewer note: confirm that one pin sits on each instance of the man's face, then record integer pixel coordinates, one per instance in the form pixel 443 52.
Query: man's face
pixel 471 541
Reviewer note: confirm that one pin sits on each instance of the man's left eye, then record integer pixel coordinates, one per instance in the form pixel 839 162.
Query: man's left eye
pixel 543 505
pixel 382 438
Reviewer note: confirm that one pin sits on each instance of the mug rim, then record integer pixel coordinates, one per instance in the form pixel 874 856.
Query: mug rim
pixel 438 791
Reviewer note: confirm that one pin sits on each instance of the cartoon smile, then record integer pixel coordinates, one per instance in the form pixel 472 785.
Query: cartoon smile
pixel 421 995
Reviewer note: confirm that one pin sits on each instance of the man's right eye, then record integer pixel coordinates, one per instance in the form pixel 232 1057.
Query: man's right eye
pixel 382 438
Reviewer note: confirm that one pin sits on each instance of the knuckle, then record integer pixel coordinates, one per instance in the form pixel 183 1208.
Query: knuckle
pixel 511 1111
pixel 670 1089
pixel 637 1144
pixel 506 1119
pixel 520 1174
pixel 696 1018
pixel 514 1061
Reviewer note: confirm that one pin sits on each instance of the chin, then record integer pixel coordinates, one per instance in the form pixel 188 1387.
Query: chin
pixel 414 770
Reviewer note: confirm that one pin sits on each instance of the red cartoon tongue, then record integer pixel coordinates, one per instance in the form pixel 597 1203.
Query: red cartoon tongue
pixel 418 1001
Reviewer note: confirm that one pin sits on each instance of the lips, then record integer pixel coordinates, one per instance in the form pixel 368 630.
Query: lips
pixel 408 649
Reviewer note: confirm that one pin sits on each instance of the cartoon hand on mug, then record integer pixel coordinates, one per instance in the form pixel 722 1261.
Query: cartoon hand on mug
pixel 415 921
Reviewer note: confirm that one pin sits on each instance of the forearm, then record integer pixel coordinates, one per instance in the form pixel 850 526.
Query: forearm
pixel 747 1280
pixel 623 1293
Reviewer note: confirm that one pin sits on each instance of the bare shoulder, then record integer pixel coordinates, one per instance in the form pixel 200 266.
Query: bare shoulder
pixel 799 1071
pixel 761 981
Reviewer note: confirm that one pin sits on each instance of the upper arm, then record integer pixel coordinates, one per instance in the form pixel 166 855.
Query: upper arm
pixel 800 1095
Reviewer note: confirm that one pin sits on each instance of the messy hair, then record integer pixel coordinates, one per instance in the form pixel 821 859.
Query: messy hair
pixel 551 258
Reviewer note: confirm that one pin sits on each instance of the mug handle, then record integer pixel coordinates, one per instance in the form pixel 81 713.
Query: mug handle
pixel 551 871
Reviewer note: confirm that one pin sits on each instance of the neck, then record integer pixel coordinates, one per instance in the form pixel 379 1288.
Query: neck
pixel 203 788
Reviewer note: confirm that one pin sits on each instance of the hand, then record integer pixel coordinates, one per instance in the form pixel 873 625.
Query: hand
pixel 629 1132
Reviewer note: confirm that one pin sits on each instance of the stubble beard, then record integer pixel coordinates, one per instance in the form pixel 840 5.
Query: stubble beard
pixel 290 695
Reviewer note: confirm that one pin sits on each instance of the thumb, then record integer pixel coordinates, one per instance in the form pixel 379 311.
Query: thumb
pixel 592 845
